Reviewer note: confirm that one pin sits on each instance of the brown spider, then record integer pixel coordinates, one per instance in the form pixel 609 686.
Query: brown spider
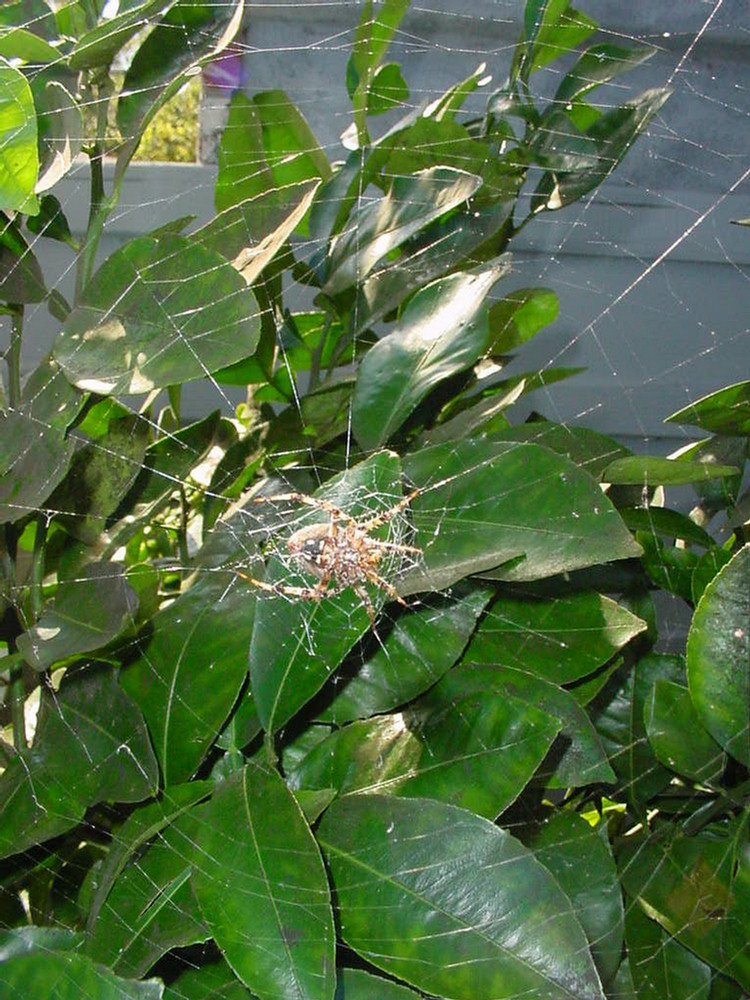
pixel 340 552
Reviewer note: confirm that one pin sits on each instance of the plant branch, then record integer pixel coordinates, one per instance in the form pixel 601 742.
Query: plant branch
pixel 13 357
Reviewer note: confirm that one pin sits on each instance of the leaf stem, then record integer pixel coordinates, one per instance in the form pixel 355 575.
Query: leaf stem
pixel 318 356
pixel 99 205
pixel 37 566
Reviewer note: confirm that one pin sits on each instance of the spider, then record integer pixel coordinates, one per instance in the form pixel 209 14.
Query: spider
pixel 340 552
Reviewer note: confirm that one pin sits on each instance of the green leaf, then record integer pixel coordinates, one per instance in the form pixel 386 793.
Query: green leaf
pixel 443 331
pixel 670 567
pixel 190 669
pixel 99 46
pixel 30 938
pixel 296 643
pixel 100 474
pixel 214 981
pixel 706 569
pixel 481 504
pixel 726 411
pixel 90 746
pixel 567 846
pixel 478 752
pixel 158 312
pixel 19 160
pixel 424 642
pixel 387 89
pixel 718 657
pixel 642 470
pixel 411 203
pixel 519 316
pixel 21 278
pixel 578 758
pixel 618 714
pixel 70 976
pixel 85 614
pixel 51 221
pixel 265 896
pixel 34 458
pixel 698 889
pixel 560 638
pixel 669 714
pixel 243 169
pixel 611 136
pixel 292 151
pixel 18 43
pixel 62 133
pixel 151 907
pixel 552 29
pixel 356 984
pixel 451 903
pixel 662 968
pixel 139 828
pixel 597 65
pixel 669 523
pixel 591 451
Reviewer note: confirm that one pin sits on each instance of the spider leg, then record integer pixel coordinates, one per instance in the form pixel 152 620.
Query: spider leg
pixel 386 515
pixel 361 592
pixel 281 589
pixel 373 577
pixel 329 508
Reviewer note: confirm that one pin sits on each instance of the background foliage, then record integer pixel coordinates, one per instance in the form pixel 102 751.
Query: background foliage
pixel 502 789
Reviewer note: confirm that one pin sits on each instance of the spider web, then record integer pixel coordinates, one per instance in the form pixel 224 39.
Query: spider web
pixel 651 276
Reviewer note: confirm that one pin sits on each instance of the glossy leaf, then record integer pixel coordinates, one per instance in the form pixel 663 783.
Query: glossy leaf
pixel 243 170
pixel 85 614
pixel 356 984
pixel 388 89
pixel 263 889
pixel 378 228
pixel 291 149
pixel 99 46
pixel 662 968
pixel 158 312
pixel 567 846
pixel 478 752
pixel 611 136
pixel 698 889
pixel 618 715
pixel 151 907
pixel 34 458
pixel 591 451
pixel 63 134
pixel 726 411
pixel 718 657
pixel 552 28
pixel 214 981
pixel 423 643
pixel 559 638
pixel 597 65
pixel 19 159
pixel 90 746
pixel 296 644
pixel 188 32
pixel 578 758
pixel 648 471
pixel 466 523
pixel 442 331
pixel 190 668
pixel 66 975
pixel 668 715
pixel 669 523
pixel 519 316
pixel 27 46
pixel 24 939
pixel 450 903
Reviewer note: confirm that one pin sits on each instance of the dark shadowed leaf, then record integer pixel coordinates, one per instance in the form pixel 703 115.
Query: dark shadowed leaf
pixel 34 458
pixel 698 889
pixel 243 170
pixel 662 968
pixel 724 412
pixel 443 330
pixel 84 615
pixel 191 665
pixel 718 657
pixel 451 903
pixel 567 846
pixel 151 906
pixel 99 46
pixel 597 65
pixel 21 278
pixel 559 638
pixel 482 505
pixel 423 643
pixel 158 312
pixel 586 448
pixel 90 745
pixel 263 889
pixel 669 715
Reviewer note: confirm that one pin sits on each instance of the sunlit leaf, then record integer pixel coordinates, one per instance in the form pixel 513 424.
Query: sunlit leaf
pixel 724 412
pixel 19 160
